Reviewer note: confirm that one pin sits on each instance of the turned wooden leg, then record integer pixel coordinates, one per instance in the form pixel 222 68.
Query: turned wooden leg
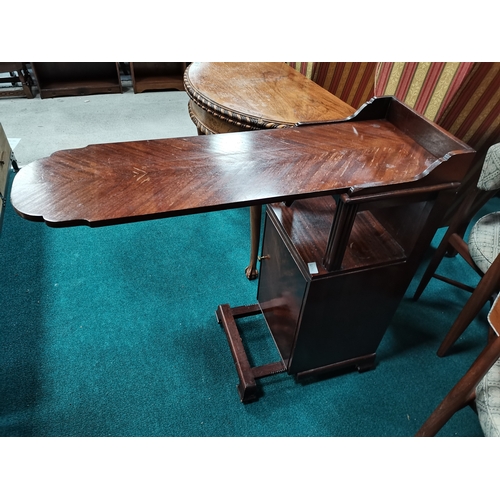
pixel 464 391
pixel 448 245
pixel 440 252
pixel 488 285
pixel 255 219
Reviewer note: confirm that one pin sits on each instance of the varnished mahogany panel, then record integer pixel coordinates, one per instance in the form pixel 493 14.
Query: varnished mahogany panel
pixel 259 95
pixel 307 225
pixel 322 320
pixel 123 182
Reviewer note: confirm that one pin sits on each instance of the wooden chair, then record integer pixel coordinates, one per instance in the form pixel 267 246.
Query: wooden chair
pixel 478 388
pixel 481 252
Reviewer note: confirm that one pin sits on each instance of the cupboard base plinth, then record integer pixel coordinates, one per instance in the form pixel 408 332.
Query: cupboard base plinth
pixel 362 364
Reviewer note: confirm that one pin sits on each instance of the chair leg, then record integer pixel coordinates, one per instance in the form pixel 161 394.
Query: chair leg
pixel 464 391
pixel 452 403
pixel 458 226
pixel 487 286
pixel 433 264
pixel 459 232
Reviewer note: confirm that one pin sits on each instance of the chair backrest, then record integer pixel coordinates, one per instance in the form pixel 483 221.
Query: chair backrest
pixel 489 180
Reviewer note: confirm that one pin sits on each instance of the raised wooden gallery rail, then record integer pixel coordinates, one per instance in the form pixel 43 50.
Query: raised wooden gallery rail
pixel 352 257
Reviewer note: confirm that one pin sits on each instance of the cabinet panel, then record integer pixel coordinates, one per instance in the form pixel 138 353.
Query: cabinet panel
pixel 157 75
pixel 281 292
pixel 345 317
pixel 320 319
pixel 57 79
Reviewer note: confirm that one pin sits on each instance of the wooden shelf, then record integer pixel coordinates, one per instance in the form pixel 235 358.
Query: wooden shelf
pixel 157 75
pixel 306 225
pixel 72 79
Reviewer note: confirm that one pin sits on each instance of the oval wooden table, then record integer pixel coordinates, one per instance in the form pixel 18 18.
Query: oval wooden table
pixel 235 97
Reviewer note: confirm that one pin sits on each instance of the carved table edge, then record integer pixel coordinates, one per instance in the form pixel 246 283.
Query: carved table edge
pixel 245 121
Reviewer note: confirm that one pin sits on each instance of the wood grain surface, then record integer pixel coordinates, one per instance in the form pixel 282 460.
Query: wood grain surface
pixel 260 95
pixel 122 182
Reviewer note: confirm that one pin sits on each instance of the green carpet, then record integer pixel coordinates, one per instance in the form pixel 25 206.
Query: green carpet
pixel 111 332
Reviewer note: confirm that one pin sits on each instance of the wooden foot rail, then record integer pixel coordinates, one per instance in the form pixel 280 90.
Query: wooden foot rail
pixel 247 388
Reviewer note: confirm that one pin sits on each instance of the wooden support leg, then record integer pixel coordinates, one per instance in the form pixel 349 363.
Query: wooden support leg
pixel 433 264
pixel 448 245
pixel 487 286
pixel 255 220
pixel 26 82
pixel 13 162
pixel 247 388
pixel 464 391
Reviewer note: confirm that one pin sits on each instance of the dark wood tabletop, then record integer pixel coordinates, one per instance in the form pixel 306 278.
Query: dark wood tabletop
pixel 124 182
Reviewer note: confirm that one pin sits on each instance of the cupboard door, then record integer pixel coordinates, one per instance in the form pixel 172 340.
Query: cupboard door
pixel 281 292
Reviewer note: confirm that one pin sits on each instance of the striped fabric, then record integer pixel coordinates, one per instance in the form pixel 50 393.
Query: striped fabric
pixel 426 87
pixel 306 68
pixel 464 98
pixel 353 82
pixel 473 114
